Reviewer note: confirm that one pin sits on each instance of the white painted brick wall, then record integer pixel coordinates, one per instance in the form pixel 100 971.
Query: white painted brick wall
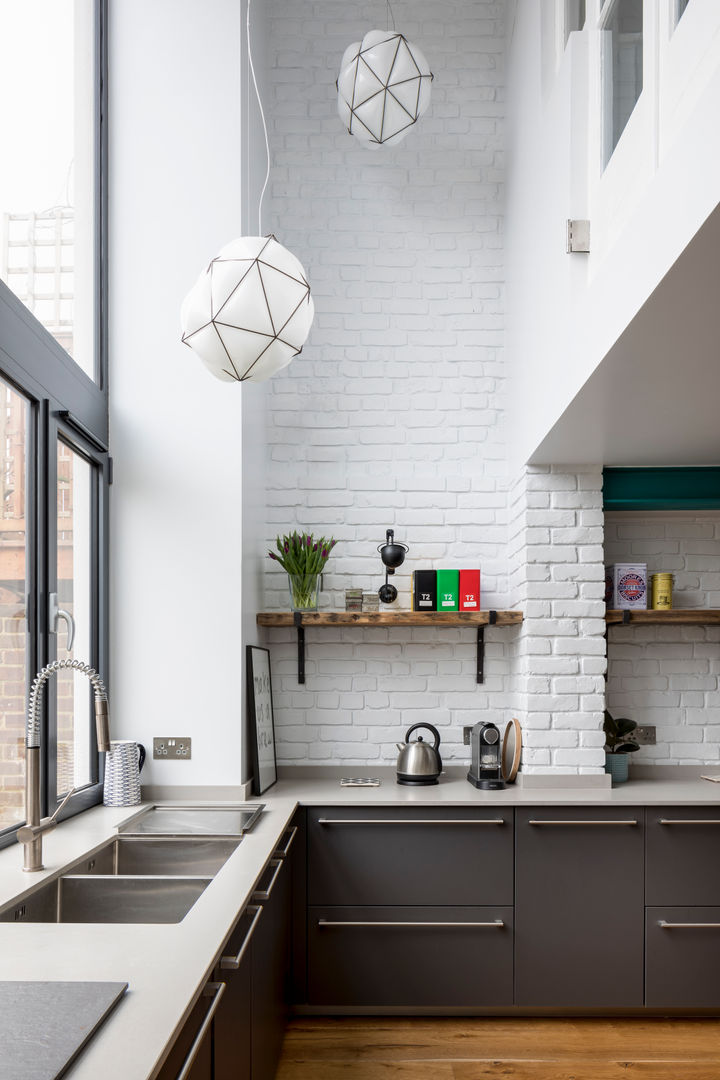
pixel 668 676
pixel 391 417
pixel 558 580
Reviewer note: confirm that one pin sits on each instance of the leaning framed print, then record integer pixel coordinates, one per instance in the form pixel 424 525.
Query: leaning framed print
pixel 260 712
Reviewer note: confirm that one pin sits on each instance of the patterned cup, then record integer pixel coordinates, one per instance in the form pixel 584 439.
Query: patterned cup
pixel 123 763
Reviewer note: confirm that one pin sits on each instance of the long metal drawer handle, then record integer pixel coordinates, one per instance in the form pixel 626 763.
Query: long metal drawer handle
pixel 688 925
pixel 688 821
pixel 538 821
pixel 232 963
pixel 264 894
pixel 282 853
pixel 495 924
pixel 216 990
pixel 410 821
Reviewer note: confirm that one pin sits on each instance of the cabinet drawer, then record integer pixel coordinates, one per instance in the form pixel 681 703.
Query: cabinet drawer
pixel 410 856
pixel 682 868
pixel 432 956
pixel 575 867
pixel 683 957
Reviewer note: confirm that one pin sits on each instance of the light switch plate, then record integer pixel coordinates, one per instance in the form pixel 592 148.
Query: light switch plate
pixel 644 735
pixel 172 748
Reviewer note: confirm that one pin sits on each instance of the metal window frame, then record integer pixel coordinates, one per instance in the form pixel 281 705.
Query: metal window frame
pixel 64 402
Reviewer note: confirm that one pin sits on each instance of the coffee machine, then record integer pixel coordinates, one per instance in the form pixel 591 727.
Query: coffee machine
pixel 486 758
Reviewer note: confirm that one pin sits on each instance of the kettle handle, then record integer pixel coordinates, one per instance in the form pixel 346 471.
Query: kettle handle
pixel 428 727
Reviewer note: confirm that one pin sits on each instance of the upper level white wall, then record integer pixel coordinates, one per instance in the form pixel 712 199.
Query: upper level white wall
pixel 565 312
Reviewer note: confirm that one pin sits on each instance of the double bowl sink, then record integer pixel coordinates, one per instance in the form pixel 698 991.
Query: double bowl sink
pixel 153 873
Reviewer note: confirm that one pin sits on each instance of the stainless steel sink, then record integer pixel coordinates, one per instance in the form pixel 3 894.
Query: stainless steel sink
pixel 89 899
pixel 185 857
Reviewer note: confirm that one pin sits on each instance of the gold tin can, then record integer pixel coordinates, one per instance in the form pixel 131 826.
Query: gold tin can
pixel 662 586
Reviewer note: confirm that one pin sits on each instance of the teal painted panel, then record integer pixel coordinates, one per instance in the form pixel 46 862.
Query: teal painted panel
pixel 682 488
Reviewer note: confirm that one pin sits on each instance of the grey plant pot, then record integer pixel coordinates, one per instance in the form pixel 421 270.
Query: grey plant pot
pixel 617 766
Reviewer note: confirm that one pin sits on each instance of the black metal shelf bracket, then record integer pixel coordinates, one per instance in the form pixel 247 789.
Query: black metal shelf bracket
pixel 492 619
pixel 298 623
pixel 626 616
pixel 297 619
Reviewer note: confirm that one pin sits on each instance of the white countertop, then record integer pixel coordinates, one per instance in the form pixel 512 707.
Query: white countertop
pixel 454 790
pixel 167 965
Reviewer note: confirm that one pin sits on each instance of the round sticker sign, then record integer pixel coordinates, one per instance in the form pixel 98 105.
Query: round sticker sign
pixel 631 587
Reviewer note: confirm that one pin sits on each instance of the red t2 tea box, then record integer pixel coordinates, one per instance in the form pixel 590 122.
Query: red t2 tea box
pixel 469 590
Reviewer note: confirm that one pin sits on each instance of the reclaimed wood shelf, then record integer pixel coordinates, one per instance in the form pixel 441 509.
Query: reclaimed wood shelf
pixel 439 619
pixel 675 617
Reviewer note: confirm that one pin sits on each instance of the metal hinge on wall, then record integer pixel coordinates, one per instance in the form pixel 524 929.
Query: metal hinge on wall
pixel 578 236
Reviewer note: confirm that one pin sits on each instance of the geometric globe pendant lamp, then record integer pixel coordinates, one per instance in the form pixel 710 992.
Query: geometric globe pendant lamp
pixel 250 311
pixel 383 87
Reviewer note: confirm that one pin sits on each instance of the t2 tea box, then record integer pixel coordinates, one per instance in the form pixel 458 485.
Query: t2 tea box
pixel 469 590
pixel 424 589
pixel 448 582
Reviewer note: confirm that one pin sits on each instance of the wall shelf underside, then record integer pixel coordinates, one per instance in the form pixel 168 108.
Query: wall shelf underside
pixel 435 619
pixel 676 617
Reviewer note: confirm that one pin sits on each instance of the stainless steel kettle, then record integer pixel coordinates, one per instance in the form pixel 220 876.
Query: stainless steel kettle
pixel 418 762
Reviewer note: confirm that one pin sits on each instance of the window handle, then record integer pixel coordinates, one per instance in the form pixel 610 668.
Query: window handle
pixel 55 613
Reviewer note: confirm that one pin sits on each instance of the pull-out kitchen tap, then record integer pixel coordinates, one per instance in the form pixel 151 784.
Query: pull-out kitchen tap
pixel 31 833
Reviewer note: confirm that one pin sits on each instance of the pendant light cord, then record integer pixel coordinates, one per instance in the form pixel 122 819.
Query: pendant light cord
pixel 262 116
pixel 390 15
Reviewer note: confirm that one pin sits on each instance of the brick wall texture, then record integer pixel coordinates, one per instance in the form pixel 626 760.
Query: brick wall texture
pixel 391 417
pixel 668 676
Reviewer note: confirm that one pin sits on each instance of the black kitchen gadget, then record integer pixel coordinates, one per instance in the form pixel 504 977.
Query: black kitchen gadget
pixel 393 556
pixel 486 758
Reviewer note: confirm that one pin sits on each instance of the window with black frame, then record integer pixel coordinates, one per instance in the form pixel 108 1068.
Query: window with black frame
pixel 54 465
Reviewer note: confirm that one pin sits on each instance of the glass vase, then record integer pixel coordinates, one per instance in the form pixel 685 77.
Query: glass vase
pixel 304 589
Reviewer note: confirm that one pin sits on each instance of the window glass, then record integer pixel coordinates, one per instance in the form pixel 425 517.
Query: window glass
pixel 74 581
pixel 623 66
pixel 47 213
pixel 14 420
pixel 574 16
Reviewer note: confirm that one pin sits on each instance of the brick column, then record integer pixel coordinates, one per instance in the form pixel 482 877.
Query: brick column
pixel 557 577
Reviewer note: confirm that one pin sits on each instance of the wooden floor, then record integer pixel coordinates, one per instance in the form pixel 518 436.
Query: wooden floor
pixel 377 1048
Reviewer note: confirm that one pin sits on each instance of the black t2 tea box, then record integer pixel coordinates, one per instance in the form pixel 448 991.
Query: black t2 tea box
pixel 425 590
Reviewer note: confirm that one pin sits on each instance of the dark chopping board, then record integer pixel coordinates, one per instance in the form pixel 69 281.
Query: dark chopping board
pixel 45 1025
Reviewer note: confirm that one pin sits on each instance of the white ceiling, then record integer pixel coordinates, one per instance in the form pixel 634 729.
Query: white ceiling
pixel 655 398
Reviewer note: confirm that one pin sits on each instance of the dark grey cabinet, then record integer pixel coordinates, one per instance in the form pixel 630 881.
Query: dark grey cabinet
pixel 579 908
pixel 681 866
pixel 232 1026
pixel 407 856
pixel 410 956
pixel 191 1053
pixel 270 969
pixel 683 957
pixel 410 906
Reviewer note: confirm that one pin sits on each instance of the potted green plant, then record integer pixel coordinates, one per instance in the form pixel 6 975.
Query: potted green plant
pixel 618 746
pixel 304 558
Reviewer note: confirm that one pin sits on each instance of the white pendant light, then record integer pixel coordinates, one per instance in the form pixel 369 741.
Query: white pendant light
pixel 383 87
pixel 250 311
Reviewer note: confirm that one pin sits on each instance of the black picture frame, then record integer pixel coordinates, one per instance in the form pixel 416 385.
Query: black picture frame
pixel 261 717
